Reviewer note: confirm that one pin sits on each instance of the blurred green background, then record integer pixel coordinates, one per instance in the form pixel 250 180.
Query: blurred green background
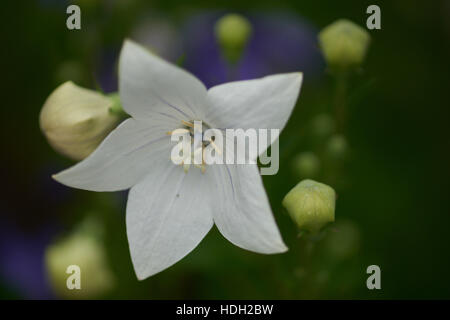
pixel 393 185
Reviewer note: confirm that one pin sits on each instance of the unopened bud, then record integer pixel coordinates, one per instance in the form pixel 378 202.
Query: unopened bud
pixel 311 205
pixel 85 252
pixel 76 120
pixel 232 32
pixel 344 44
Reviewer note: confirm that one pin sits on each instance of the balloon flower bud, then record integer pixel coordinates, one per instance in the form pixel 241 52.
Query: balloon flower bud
pixel 77 267
pixel 344 44
pixel 311 205
pixel 232 32
pixel 75 120
pixel 306 165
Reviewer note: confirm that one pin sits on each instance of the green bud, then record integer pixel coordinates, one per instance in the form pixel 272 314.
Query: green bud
pixel 322 125
pixel 76 120
pixel 306 165
pixel 232 32
pixel 311 205
pixel 344 44
pixel 86 252
pixel 337 147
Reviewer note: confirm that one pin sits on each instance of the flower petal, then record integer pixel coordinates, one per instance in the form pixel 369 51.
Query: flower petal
pixel 150 85
pixel 168 214
pixel 264 103
pixel 245 217
pixel 122 159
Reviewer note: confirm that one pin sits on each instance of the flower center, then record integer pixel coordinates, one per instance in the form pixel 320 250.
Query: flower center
pixel 193 131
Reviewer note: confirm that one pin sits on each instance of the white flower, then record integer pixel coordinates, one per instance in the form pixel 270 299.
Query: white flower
pixel 170 211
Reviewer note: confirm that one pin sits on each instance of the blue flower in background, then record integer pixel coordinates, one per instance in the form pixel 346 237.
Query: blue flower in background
pixel 279 43
pixel 22 260
pixel 26 230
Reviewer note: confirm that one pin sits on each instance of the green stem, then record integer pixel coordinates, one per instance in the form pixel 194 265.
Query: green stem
pixel 232 71
pixel 340 101
pixel 116 107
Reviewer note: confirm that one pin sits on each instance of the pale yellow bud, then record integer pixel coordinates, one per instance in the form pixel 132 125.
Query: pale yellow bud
pixel 85 252
pixel 311 205
pixel 344 44
pixel 76 120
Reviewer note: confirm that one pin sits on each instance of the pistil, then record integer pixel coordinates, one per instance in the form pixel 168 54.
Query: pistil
pixel 197 135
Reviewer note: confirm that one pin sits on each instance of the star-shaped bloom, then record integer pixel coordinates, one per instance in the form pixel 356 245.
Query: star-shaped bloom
pixel 169 211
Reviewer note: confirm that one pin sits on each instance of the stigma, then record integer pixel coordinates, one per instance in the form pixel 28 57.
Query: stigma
pixel 192 145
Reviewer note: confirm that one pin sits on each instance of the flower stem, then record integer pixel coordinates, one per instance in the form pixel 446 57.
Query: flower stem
pixel 116 107
pixel 340 101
